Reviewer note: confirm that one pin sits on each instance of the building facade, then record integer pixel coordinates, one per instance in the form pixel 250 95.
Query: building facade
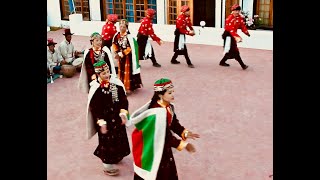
pixel 90 15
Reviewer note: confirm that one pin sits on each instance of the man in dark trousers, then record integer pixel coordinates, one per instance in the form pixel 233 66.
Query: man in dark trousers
pixel 182 22
pixel 145 30
pixel 234 22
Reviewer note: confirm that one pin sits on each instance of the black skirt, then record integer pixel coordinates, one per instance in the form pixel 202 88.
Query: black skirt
pixel 234 51
pixel 142 42
pixel 176 43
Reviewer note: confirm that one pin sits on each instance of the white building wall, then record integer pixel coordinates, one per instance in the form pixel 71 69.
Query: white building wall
pixel 53 13
pixel 218 22
pixel 95 12
pixel 247 5
pixel 260 39
pixel 161 12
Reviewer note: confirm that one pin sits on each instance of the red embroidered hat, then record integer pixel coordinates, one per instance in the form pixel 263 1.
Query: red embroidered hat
pixel 51 42
pixel 112 17
pixel 235 7
pixel 184 8
pixel 150 12
pixel 162 84
pixel 67 32
pixel 100 66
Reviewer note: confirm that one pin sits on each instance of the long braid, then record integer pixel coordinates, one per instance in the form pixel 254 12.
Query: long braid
pixel 156 97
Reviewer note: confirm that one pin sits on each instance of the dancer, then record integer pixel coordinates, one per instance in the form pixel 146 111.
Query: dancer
pixel 145 30
pixel 230 36
pixel 153 138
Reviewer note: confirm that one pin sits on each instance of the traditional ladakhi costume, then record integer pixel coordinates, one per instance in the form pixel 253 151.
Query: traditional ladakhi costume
pixel 182 23
pixel 231 51
pixel 129 67
pixel 109 30
pixel 106 101
pixel 152 138
pixel 91 57
pixel 145 30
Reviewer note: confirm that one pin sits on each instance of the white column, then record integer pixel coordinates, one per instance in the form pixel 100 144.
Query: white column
pixel 95 12
pixel 218 14
pixel 53 13
pixel 223 13
pixel 161 12
pixel 74 21
pixel 247 5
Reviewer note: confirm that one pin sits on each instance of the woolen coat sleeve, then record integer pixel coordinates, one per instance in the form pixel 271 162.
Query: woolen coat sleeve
pixel 123 100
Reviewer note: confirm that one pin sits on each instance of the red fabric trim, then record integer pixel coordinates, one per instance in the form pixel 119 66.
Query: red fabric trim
pixel 163 84
pixel 137 147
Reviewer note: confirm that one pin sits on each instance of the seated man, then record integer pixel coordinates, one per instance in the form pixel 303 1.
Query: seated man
pixel 54 58
pixel 66 48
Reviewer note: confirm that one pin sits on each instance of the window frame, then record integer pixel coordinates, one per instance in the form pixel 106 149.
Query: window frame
pixel 105 9
pixel 65 13
pixel 270 21
pixel 178 7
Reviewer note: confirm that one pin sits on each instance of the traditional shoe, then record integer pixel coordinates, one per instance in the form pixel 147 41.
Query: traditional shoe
pixel 245 67
pixel 190 65
pixel 224 64
pixel 129 92
pixel 156 65
pixel 175 62
pixel 111 172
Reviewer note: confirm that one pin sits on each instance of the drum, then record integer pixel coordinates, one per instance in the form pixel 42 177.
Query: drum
pixel 68 70
pixel 78 64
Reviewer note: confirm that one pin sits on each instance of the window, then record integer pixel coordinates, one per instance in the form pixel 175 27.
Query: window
pixel 229 4
pixel 81 7
pixel 132 10
pixel 174 7
pixel 264 9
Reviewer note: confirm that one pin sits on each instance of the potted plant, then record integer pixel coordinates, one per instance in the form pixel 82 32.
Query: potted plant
pixel 251 23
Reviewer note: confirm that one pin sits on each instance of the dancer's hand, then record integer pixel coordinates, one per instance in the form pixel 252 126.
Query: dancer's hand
pixel 120 54
pixel 193 135
pixel 93 77
pixel 123 119
pixel 103 129
pixel 238 39
pixel 160 42
pixel 190 148
pixel 191 33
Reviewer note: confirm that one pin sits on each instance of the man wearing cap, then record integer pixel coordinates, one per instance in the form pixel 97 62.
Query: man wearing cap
pixel 230 36
pixel 145 30
pixel 109 30
pixel 67 50
pixel 53 57
pixel 183 22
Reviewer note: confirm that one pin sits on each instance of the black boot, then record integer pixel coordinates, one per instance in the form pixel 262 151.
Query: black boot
pixel 174 59
pixel 154 62
pixel 223 61
pixel 238 58
pixel 245 67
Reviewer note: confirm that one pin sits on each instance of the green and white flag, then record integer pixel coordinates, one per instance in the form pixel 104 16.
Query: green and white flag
pixel 148 140
pixel 135 54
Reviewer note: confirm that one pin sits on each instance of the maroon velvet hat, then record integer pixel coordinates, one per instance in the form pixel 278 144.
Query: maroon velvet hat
pixel 184 8
pixel 67 32
pixel 235 7
pixel 150 12
pixel 51 42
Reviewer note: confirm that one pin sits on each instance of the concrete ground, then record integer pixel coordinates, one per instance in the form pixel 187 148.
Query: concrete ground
pixel 231 109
